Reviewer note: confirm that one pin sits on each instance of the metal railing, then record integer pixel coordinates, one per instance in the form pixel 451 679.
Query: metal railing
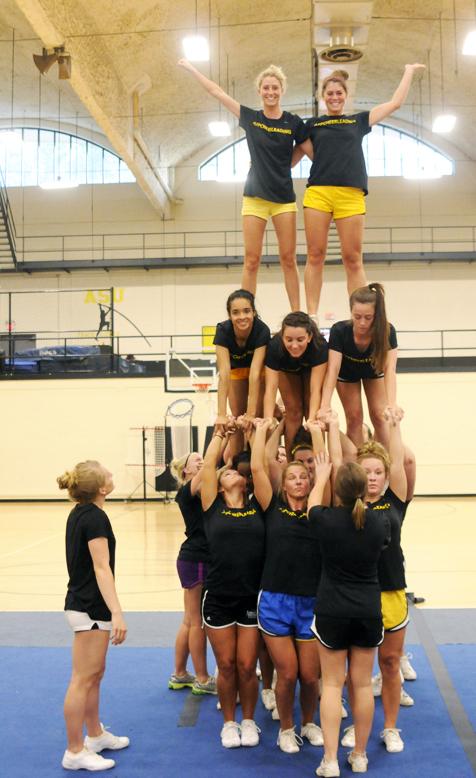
pixel 6 217
pixel 189 351
pixel 222 244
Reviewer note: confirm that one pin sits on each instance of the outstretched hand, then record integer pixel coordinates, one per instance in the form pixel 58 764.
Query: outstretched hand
pixel 185 64
pixel 416 66
pixel 323 466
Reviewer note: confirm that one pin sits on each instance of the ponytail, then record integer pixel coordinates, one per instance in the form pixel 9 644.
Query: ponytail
pixel 375 295
pixel 358 513
pixel 350 488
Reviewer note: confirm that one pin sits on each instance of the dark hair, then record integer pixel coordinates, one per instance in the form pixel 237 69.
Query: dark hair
pixel 239 294
pixel 375 295
pixel 340 76
pixel 301 319
pixel 350 487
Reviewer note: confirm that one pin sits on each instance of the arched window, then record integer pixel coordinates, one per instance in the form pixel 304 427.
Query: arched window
pixel 37 157
pixel 387 152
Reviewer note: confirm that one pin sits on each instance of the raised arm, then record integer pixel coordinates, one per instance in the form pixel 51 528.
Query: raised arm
pixel 99 550
pixel 254 380
pixel 397 478
pixel 330 381
pixel 262 488
pixel 383 110
pixel 274 469
pixel 209 489
pixel 334 444
pixel 323 471
pixel 223 365
pixel 315 427
pixel 317 379
pixel 213 89
pixel 270 392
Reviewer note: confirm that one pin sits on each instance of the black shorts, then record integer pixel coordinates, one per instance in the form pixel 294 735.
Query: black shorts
pixel 219 611
pixel 342 633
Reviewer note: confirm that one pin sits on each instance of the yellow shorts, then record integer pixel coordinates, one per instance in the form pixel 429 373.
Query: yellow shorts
pixel 239 373
pixel 264 209
pixel 394 610
pixel 341 201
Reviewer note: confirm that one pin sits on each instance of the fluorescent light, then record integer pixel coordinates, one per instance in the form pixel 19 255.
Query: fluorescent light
pixel 469 45
pixel 445 122
pixel 59 183
pixel 219 129
pixel 196 48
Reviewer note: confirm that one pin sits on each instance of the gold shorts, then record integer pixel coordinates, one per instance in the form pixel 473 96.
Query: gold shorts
pixel 239 373
pixel 394 610
pixel 341 201
pixel 264 209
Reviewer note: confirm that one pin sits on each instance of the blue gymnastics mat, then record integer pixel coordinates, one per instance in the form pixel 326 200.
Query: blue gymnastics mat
pixel 137 703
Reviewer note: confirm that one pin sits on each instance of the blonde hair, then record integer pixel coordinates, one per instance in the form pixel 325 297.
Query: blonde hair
pixel 374 450
pixel 350 487
pixel 177 466
pixel 84 481
pixel 275 72
pixel 340 76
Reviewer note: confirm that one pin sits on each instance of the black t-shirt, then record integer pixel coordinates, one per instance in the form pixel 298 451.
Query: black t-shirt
pixel 391 569
pixel 349 586
pixel 195 548
pixel 236 539
pixel 355 364
pixel 271 143
pixel 241 356
pixel 278 358
pixel 338 156
pixel 292 559
pixel 85 523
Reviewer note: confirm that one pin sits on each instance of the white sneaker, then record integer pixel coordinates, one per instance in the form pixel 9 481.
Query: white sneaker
pixel 86 760
pixel 288 741
pixel 268 698
pixel 249 733
pixel 344 713
pixel 377 685
pixel 313 733
pixel 275 714
pixel 358 762
pixel 408 671
pixel 393 741
pixel 106 740
pixel 348 739
pixel 328 769
pixel 405 700
pixel 230 735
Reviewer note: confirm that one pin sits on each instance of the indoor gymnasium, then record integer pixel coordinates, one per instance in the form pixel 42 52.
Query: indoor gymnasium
pixel 238 370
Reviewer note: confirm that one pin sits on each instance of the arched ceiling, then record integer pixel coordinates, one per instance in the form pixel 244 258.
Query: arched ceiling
pixel 117 45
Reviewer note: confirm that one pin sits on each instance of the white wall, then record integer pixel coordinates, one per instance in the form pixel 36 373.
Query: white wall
pixel 48 426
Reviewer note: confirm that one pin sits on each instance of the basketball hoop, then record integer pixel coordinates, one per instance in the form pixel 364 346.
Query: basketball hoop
pixel 180 408
pixel 202 387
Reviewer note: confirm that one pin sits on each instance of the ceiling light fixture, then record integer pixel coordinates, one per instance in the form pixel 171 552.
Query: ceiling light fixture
pixel 219 129
pixel 469 45
pixel 444 122
pixel 45 60
pixel 196 48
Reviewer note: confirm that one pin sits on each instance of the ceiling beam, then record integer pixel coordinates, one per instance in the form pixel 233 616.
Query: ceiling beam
pixel 95 81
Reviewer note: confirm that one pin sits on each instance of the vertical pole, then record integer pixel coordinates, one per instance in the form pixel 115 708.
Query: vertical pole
pixel 111 291
pixel 11 351
pixel 144 482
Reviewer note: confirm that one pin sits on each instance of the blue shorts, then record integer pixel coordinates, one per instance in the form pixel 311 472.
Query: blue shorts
pixel 286 615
